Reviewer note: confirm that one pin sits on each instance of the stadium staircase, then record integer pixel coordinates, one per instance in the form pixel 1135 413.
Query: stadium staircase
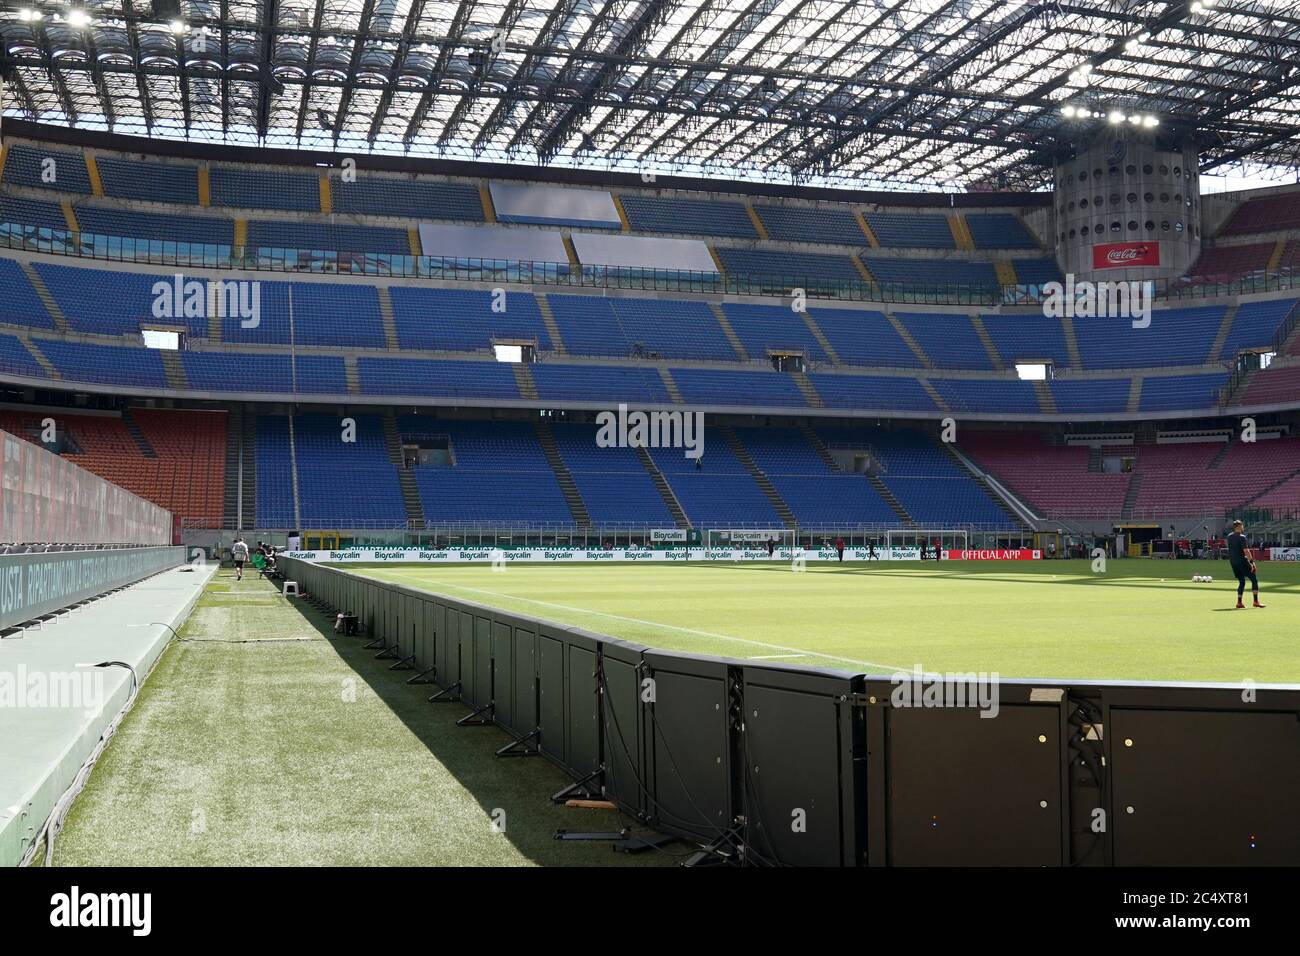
pixel 234 440
pixel 978 478
pixel 1094 459
pixel 524 381
pixel 410 489
pixel 352 374
pixel 809 392
pixel 769 490
pixel 819 446
pixel 386 314
pixel 248 432
pixel 38 355
pixel 42 293
pixel 670 384
pixel 728 331
pixel 1277 484
pixel 820 336
pixel 1046 401
pixel 1216 350
pixel 293 471
pixel 552 327
pixel 665 490
pixel 912 344
pixel 577 507
pixel 133 429
pixel 172 369
pixel 895 505
pixel 1217 460
pixel 1131 495
pixel 987 341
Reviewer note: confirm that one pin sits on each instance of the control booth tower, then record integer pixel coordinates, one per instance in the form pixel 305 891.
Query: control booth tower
pixel 1128 209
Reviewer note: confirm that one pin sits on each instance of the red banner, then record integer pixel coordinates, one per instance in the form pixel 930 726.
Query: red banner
pixel 1125 255
pixel 994 554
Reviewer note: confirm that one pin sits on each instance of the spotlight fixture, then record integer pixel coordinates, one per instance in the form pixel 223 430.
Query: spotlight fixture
pixel 1116 117
pixel 78 18
pixel 1068 111
pixel 178 27
pixel 28 15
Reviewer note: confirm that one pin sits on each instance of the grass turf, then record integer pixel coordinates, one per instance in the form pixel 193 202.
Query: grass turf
pixel 261 739
pixel 1139 620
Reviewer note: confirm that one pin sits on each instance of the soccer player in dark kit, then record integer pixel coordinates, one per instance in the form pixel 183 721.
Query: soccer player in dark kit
pixel 1242 563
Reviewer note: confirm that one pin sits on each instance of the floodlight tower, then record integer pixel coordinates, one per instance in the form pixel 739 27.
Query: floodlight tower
pixel 1127 205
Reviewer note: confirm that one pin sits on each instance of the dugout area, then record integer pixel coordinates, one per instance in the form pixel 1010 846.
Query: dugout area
pixel 770 764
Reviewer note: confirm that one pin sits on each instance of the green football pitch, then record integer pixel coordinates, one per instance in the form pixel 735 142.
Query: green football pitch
pixel 1134 620
pixel 263 738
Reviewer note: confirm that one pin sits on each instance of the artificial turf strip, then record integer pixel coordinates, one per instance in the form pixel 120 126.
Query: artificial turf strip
pixel 1139 620
pixel 301 749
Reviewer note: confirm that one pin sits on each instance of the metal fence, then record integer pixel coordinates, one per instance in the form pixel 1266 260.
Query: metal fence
pixel 182 255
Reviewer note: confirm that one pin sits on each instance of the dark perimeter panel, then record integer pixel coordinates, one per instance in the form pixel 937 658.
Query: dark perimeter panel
pixel 1204 788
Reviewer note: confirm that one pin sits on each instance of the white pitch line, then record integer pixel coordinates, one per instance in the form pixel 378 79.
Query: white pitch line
pixel 773 657
pixel 794 651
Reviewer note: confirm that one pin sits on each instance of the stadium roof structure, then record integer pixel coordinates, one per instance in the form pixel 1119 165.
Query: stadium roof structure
pixel 859 93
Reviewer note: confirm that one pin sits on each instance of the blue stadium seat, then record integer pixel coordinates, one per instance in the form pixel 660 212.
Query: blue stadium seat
pixel 864 337
pixel 168 227
pixel 445 378
pixel 1036 271
pixel 245 372
pixel 463 319
pixel 938 274
pixel 697 217
pixel 1029 337
pixel 611 384
pixel 1186 392
pixel 33 212
pixel 290 234
pixel 149 181
pixel 1254 325
pixel 999 230
pixel 112 303
pixel 407 199
pixel 768 328
pixel 712 387
pixel 949 340
pixel 338 314
pixel 911 230
pixel 16 360
pixel 613 483
pixel 499 474
pixel 830 225
pixel 342 484
pixel 719 493
pixel 1091 395
pixel 872 391
pixel 27 166
pixel 274 473
pixel 258 189
pixel 1175 337
pixel 19 303
pixel 104 364
pixel 789 268
pixel 988 395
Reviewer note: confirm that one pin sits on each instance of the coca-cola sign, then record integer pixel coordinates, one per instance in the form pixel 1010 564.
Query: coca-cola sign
pixel 1125 255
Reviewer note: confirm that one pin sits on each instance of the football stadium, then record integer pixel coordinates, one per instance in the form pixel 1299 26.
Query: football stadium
pixel 650 433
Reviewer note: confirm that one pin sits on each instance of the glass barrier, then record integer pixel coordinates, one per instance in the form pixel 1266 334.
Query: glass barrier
pixel 335 262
